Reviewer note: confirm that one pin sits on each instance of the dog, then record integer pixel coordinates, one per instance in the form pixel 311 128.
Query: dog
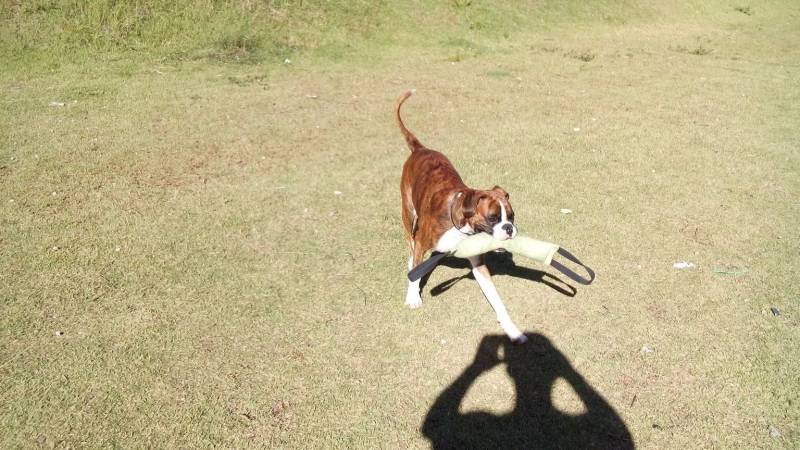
pixel 439 211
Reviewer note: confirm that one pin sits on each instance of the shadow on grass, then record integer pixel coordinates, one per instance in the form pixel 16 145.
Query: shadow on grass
pixel 499 264
pixel 534 422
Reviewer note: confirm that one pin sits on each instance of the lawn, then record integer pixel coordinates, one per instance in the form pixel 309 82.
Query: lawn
pixel 202 247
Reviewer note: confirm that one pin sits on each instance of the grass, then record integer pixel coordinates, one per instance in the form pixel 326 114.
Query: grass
pixel 175 220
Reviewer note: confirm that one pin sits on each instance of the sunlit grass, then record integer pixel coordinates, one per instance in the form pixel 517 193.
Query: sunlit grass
pixel 178 270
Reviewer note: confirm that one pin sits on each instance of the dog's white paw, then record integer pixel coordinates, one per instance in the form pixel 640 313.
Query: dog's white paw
pixel 413 299
pixel 519 340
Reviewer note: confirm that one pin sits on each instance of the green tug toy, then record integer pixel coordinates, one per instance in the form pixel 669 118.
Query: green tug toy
pixel 534 249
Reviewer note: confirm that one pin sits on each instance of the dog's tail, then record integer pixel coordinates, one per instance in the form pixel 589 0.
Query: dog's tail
pixel 411 140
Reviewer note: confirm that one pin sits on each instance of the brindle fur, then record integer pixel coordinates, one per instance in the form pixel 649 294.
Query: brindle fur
pixel 428 182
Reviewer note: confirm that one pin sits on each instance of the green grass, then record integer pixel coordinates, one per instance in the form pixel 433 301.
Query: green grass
pixel 50 34
pixel 176 219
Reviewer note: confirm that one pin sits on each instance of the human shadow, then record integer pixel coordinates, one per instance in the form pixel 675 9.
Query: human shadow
pixel 534 423
pixel 500 264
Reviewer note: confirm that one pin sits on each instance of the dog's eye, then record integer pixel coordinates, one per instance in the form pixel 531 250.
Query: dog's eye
pixel 493 218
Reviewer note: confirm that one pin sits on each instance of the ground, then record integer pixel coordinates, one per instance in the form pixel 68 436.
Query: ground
pixel 205 253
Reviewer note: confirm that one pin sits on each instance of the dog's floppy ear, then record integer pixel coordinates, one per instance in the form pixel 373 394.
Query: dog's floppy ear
pixel 470 202
pixel 501 191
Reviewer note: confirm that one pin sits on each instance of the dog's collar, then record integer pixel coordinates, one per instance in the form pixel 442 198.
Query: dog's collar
pixel 450 211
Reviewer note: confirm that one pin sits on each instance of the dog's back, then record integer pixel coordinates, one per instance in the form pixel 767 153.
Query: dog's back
pixel 424 168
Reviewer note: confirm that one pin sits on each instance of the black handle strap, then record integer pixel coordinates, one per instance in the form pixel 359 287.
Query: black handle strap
pixel 426 266
pixel 568 272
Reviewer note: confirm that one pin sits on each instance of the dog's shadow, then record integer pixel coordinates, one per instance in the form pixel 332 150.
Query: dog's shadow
pixel 500 264
pixel 535 422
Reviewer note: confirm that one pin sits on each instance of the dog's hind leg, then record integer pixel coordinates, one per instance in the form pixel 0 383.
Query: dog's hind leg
pixel 413 298
pixel 484 279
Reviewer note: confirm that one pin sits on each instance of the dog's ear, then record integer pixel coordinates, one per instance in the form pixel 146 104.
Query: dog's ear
pixel 470 203
pixel 501 191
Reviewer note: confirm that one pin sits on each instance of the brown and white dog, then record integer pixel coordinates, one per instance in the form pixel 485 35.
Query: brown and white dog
pixel 439 210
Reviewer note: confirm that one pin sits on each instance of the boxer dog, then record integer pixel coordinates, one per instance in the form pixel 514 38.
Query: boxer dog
pixel 439 210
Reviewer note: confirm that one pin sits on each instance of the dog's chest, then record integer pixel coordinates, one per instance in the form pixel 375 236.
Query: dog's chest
pixel 451 238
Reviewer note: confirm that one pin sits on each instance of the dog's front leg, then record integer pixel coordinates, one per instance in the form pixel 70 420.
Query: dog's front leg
pixel 484 279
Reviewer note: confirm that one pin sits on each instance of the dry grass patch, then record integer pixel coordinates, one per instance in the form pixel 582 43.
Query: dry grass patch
pixel 184 234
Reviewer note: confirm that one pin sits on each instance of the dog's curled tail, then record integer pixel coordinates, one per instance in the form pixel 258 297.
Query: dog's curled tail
pixel 411 140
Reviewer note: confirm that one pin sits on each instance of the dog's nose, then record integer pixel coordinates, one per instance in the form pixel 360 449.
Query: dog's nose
pixel 509 228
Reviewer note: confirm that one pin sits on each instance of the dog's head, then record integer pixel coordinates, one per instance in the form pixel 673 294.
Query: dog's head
pixel 489 212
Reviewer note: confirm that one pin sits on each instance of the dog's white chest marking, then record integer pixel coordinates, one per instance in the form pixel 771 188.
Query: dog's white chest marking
pixel 451 238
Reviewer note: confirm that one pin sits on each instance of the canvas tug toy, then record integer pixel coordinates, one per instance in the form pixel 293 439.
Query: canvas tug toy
pixel 480 243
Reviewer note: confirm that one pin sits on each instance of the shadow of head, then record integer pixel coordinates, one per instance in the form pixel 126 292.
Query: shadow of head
pixel 501 263
pixel 534 422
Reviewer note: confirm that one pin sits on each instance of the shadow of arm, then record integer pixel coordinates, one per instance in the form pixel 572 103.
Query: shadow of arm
pixel 445 409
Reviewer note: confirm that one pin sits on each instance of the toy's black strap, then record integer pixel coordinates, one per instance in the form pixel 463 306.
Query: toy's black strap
pixel 568 272
pixel 426 266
